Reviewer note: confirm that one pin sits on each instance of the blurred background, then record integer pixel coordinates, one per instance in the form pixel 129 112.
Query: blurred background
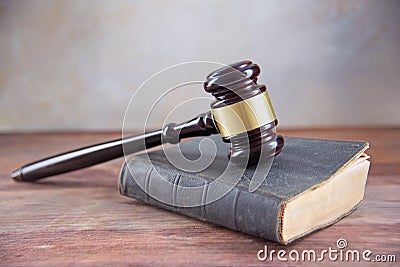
pixel 75 65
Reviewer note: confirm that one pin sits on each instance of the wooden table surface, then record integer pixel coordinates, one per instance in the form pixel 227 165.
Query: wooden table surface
pixel 79 218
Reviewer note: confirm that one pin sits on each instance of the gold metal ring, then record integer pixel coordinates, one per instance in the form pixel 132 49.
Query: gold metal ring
pixel 244 116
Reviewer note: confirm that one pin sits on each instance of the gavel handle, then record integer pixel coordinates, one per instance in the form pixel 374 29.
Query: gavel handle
pixel 84 157
pixel 80 158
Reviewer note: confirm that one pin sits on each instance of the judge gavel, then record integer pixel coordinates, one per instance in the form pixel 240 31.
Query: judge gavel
pixel 242 113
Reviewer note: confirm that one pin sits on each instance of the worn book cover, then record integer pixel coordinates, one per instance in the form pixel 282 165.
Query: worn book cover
pixel 311 184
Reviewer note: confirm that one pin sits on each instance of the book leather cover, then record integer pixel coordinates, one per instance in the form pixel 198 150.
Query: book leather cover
pixel 302 165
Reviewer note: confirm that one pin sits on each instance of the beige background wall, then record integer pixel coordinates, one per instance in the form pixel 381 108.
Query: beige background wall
pixel 75 64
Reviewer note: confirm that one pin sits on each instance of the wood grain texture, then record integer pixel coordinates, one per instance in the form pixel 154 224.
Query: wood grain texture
pixel 79 218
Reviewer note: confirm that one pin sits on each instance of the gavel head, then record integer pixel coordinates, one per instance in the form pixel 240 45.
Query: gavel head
pixel 243 113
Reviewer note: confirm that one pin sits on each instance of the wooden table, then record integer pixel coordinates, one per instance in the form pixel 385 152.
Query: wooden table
pixel 79 218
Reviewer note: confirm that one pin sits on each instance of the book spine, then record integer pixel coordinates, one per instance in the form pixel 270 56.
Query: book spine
pixel 238 209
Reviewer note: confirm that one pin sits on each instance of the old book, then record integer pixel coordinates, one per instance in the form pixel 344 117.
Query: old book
pixel 310 185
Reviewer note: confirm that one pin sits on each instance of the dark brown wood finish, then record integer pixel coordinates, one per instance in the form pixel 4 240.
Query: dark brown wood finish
pixel 80 218
pixel 235 83
pixel 229 85
pixel 91 155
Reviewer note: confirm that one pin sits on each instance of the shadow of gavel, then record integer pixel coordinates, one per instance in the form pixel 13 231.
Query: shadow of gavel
pixel 242 113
